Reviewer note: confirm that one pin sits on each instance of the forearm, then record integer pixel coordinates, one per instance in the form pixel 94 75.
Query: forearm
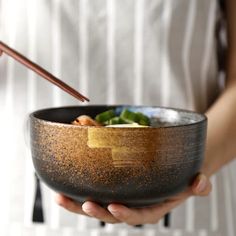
pixel 221 132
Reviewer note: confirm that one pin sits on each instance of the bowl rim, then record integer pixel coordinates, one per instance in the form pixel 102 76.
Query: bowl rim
pixel 33 114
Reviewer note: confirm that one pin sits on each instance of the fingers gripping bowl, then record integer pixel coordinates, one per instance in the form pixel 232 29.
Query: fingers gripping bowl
pixel 133 166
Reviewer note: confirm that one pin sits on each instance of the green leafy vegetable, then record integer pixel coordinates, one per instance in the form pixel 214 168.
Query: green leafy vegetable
pixel 105 116
pixel 126 117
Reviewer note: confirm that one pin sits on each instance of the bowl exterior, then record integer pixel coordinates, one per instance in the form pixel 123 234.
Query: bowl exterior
pixel 133 166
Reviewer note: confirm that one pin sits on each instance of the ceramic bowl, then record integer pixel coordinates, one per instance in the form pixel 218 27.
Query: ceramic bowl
pixel 133 166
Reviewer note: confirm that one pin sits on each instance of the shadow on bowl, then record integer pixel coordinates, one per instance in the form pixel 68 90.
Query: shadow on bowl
pixel 133 166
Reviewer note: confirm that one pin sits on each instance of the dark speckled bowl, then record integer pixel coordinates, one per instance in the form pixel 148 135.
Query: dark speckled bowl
pixel 133 166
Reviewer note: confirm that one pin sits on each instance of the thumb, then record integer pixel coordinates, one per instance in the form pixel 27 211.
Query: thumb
pixel 201 186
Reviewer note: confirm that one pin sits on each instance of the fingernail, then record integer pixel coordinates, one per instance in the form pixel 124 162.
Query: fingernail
pixel 58 199
pixel 87 209
pixel 202 184
pixel 113 211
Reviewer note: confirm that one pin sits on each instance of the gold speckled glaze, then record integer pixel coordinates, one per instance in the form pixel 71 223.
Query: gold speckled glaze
pixel 133 166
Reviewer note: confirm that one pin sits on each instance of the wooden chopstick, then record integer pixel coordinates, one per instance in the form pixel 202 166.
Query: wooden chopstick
pixel 40 71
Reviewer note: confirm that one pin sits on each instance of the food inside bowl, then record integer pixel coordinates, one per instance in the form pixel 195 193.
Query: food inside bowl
pixel 109 118
pixel 85 120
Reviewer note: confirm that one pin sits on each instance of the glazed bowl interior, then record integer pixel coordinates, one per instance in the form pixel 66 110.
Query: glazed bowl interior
pixel 133 166
pixel 160 116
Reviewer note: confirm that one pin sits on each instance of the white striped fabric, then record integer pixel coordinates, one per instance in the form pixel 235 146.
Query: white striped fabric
pixel 111 17
pixel 83 39
pixel 187 43
pixel 138 51
pixel 165 75
pixel 152 52
pixel 56 48
pixel 42 230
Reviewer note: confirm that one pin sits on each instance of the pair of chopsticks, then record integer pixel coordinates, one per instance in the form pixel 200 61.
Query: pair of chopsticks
pixel 40 71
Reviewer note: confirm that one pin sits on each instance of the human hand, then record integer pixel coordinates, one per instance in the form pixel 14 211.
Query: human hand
pixel 116 213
